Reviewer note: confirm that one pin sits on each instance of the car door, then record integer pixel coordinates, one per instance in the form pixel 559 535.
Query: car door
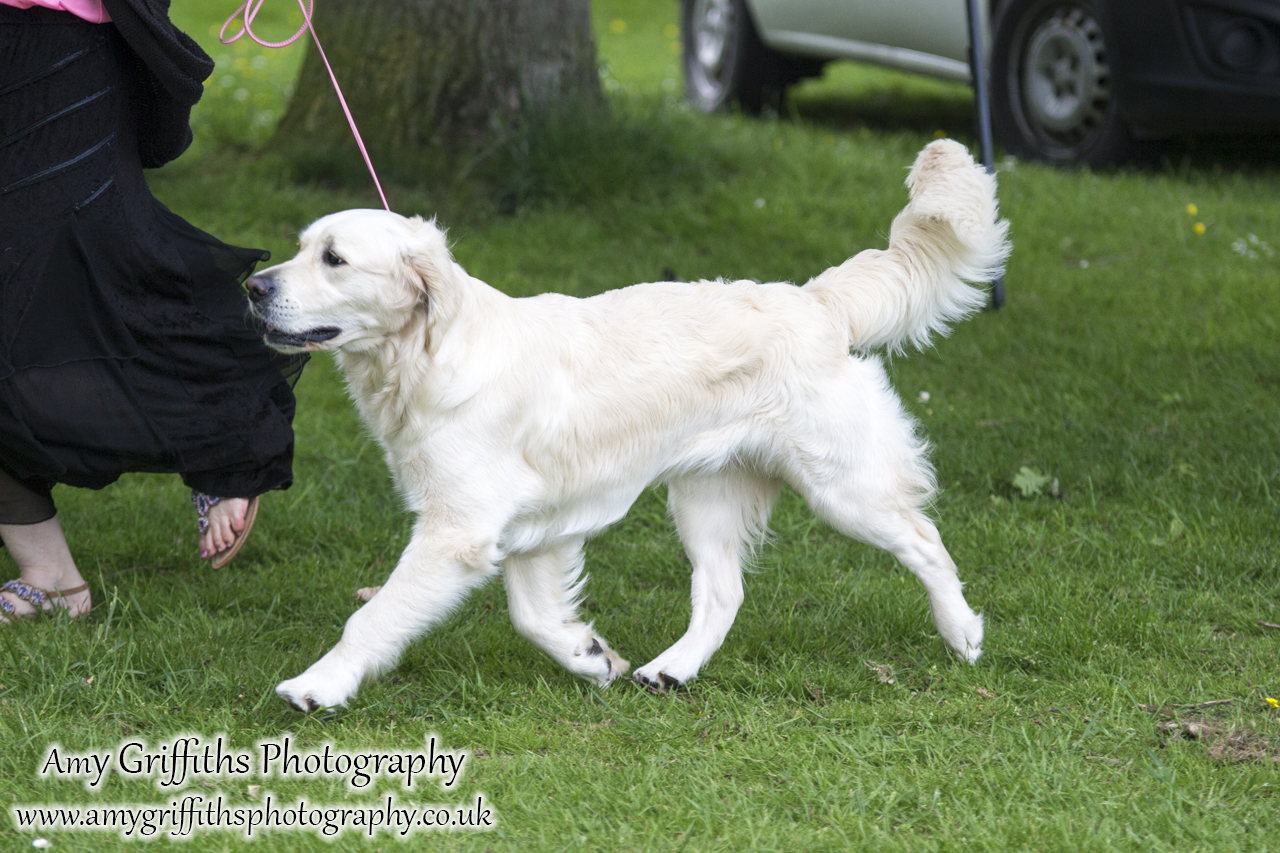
pixel 937 27
pixel 931 36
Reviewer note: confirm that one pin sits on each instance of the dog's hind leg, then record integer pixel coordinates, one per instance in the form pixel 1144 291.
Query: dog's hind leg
pixel 434 575
pixel 718 517
pixel 859 464
pixel 913 539
pixel 909 535
pixel 543 591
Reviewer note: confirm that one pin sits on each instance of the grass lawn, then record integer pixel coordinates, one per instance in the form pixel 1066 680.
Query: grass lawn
pixel 1136 363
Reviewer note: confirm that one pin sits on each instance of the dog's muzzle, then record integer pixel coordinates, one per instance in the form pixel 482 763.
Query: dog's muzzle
pixel 261 288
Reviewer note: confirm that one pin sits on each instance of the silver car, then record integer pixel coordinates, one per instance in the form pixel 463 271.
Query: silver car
pixel 1071 81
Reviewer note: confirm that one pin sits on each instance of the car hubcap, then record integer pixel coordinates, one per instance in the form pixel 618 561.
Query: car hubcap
pixel 710 31
pixel 1065 77
pixel 712 27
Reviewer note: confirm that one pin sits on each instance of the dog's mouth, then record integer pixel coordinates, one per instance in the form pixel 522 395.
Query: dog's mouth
pixel 309 339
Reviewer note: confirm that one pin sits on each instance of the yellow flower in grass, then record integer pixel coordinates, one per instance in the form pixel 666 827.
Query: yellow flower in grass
pixel 1273 703
pixel 617 26
pixel 1198 227
pixel 1192 210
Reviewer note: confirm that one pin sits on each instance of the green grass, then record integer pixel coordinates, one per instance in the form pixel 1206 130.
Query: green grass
pixel 1147 381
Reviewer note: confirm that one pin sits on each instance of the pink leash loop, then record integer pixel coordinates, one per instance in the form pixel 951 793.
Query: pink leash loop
pixel 250 10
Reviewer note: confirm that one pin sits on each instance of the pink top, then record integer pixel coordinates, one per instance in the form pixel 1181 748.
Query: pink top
pixel 91 10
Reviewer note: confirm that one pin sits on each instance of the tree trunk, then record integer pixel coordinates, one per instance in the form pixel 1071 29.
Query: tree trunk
pixel 430 80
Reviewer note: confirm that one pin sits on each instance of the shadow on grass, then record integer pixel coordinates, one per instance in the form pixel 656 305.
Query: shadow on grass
pixel 1251 154
pixel 854 96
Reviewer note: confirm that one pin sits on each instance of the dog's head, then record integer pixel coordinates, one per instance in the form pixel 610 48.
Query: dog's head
pixel 359 277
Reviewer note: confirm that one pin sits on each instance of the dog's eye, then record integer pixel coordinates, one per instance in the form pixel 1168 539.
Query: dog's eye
pixel 331 259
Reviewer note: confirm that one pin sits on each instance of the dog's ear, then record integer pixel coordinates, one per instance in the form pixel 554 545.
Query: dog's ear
pixel 430 268
pixel 426 258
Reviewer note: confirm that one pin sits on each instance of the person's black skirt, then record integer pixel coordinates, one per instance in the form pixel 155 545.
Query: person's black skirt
pixel 125 343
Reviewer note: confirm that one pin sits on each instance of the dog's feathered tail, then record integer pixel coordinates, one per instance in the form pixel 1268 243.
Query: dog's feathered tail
pixel 948 234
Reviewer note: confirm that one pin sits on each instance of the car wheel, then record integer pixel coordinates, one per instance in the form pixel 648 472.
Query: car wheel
pixel 1052 96
pixel 724 59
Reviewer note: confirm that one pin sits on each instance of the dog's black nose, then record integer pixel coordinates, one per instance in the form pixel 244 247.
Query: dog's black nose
pixel 259 287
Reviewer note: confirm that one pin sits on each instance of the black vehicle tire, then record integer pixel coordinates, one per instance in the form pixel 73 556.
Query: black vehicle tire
pixel 1052 94
pixel 724 60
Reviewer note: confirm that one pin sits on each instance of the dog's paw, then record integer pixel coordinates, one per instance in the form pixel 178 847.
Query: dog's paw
pixel 307 693
pixel 658 682
pixel 673 668
pixel 595 661
pixel 966 638
pixel 599 663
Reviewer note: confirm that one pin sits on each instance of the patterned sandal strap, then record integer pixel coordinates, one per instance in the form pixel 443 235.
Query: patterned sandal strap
pixel 33 595
pixel 36 595
pixel 6 607
pixel 203 503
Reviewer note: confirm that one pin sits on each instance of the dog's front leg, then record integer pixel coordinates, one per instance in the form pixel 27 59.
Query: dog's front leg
pixel 434 575
pixel 543 591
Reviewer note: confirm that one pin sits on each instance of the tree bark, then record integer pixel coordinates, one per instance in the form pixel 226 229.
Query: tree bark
pixel 438 78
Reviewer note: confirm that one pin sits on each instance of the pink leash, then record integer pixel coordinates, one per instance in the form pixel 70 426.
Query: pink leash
pixel 250 11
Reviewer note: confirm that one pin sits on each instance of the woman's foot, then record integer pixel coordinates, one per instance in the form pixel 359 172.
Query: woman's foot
pixel 46 566
pixel 226 521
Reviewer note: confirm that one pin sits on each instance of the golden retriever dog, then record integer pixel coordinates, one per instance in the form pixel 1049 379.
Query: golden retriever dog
pixel 517 428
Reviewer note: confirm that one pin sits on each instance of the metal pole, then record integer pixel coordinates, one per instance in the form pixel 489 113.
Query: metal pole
pixel 978 67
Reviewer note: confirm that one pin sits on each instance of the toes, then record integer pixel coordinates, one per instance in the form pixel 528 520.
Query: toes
pixel 226 521
pixel 648 683
pixel 614 665
pixel 20 607
pixel 222 534
pixel 659 683
pixel 211 540
pixel 303 703
pixel 617 666
pixel 306 705
pixel 307 693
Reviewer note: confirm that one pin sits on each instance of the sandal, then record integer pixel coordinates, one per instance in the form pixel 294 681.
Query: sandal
pixel 203 503
pixel 35 596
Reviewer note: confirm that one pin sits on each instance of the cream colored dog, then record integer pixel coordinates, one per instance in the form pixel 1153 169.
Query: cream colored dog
pixel 517 428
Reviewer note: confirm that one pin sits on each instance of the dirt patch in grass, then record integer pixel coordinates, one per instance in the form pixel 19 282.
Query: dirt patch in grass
pixel 1234 745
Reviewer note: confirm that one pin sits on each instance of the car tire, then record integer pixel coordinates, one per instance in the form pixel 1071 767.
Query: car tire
pixel 724 60
pixel 1052 93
